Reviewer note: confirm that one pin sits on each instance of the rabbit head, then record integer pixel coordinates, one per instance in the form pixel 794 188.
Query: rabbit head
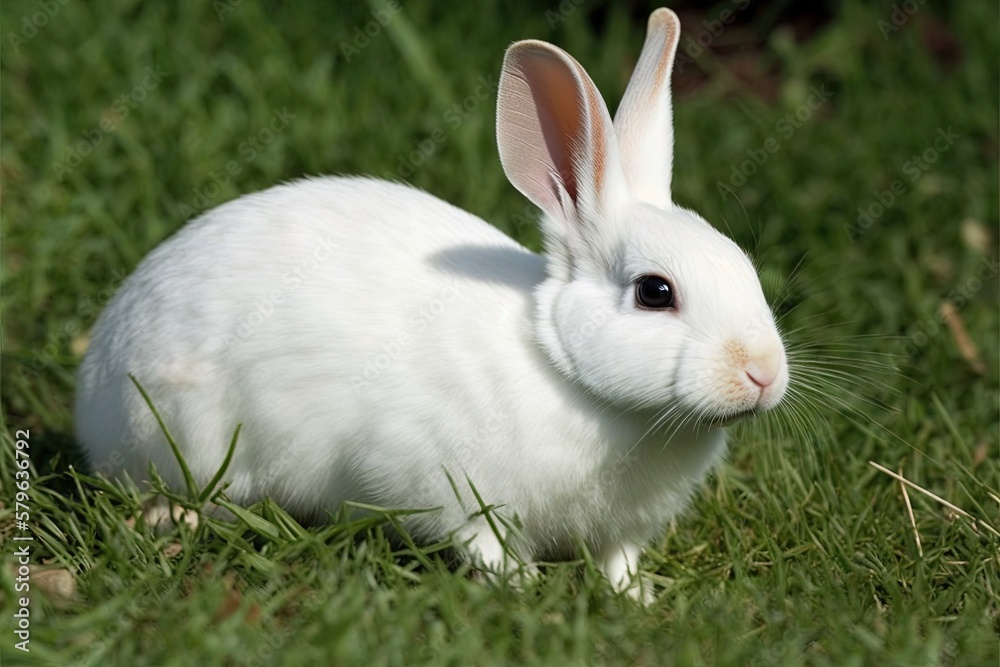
pixel 645 303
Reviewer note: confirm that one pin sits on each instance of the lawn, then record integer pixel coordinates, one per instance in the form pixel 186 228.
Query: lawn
pixel 851 147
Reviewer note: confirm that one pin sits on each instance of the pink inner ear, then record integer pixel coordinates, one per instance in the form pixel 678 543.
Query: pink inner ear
pixel 555 97
pixel 542 125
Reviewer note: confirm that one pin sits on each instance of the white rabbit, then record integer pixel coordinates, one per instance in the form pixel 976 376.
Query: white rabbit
pixel 382 346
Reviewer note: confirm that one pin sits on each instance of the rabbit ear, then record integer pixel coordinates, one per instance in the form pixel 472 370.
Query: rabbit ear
pixel 644 121
pixel 555 137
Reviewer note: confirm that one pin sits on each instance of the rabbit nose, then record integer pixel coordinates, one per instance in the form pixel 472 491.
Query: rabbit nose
pixel 763 374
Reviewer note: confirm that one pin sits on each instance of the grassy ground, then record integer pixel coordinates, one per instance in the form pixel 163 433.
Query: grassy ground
pixel 122 119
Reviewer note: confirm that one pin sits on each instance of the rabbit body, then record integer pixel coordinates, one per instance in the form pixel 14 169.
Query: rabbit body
pixel 383 347
pixel 450 378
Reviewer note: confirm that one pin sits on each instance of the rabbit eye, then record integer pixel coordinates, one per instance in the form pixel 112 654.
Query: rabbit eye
pixel 653 292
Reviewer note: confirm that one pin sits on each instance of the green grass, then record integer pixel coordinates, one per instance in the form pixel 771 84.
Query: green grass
pixel 796 552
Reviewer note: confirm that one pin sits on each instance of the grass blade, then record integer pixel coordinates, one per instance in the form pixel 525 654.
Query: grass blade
pixel 209 489
pixel 189 482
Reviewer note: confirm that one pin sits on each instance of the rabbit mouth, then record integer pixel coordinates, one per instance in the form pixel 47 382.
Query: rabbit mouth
pixel 729 420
